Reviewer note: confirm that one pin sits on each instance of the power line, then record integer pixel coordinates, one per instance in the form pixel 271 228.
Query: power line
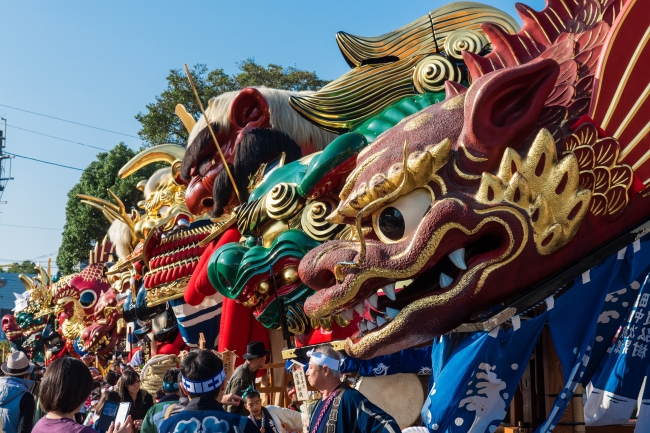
pixel 45 255
pixel 70 121
pixel 44 162
pixel 58 138
pixel 30 227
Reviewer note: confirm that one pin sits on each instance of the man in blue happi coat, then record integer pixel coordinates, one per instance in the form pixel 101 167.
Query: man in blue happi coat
pixel 202 379
pixel 342 409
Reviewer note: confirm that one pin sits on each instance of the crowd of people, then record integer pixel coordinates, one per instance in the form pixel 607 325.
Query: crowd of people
pixel 69 396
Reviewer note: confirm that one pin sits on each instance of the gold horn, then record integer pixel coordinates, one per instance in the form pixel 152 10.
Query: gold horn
pixel 27 282
pixel 169 153
pixel 45 278
pixel 111 211
pixel 185 117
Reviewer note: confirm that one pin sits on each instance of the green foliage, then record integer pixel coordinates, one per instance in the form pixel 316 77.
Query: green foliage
pixel 25 267
pixel 160 123
pixel 86 225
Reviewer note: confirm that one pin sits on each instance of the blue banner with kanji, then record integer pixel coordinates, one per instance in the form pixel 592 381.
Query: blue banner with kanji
pixel 617 388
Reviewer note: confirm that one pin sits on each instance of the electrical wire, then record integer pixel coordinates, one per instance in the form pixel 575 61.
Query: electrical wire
pixel 58 138
pixel 44 162
pixel 30 227
pixel 69 121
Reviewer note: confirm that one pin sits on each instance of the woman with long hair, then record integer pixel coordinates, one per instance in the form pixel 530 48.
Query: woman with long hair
pixel 65 387
pixel 141 401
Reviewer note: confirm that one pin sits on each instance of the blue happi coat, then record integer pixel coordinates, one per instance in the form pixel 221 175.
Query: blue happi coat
pixel 356 415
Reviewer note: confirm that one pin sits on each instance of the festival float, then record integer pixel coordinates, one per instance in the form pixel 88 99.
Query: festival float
pixel 463 214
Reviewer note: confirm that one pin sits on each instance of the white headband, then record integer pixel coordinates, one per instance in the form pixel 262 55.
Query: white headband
pixel 204 386
pixel 320 359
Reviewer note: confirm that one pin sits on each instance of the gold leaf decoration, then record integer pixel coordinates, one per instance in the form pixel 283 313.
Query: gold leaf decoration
pixel 546 188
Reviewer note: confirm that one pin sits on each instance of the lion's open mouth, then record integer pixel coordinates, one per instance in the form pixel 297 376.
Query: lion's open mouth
pixel 378 307
pixel 384 305
pixel 12 335
pixel 447 260
pixel 97 342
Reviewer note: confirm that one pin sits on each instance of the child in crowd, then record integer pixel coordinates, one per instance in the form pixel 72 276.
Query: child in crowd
pixel 270 419
pixel 293 395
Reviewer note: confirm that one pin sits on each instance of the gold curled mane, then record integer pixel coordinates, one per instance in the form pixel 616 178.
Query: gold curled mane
pixel 422 168
pixel 415 59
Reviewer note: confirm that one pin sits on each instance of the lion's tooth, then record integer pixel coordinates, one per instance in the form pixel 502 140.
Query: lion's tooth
pixel 458 258
pixel 389 290
pixel 391 312
pixel 371 326
pixel 359 309
pixel 362 326
pixel 445 280
pixel 373 300
pixel 381 321
pixel 348 314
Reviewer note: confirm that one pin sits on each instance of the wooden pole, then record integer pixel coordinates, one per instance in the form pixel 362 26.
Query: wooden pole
pixel 201 341
pixel 578 410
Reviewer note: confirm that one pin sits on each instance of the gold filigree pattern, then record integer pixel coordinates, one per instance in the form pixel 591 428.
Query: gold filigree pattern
pixel 283 201
pixel 313 220
pixel 599 170
pixel 297 320
pixel 465 40
pixel 162 294
pixel 74 325
pixel 430 74
pixel 422 167
pixel 546 188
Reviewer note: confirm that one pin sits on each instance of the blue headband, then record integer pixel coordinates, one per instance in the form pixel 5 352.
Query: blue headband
pixel 170 386
pixel 204 386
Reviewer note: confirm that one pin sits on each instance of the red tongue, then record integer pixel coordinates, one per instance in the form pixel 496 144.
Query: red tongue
pixel 199 286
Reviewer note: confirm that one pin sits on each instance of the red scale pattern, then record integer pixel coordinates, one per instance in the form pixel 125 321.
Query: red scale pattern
pixel 175 259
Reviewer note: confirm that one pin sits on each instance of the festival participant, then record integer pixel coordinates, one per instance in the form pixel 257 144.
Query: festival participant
pixel 202 379
pixel 270 419
pixel 244 375
pixel 141 401
pixel 156 415
pixel 293 395
pixel 17 404
pixel 111 381
pixel 64 389
pixel 343 409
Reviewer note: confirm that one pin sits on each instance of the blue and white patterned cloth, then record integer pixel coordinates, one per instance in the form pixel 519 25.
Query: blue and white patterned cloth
pixel 617 388
pixel 475 377
pixel 204 318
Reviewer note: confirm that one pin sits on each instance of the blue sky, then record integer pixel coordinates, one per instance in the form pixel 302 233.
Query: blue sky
pixel 99 63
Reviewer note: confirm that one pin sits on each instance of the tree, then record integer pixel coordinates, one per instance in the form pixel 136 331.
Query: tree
pixel 86 225
pixel 25 267
pixel 161 125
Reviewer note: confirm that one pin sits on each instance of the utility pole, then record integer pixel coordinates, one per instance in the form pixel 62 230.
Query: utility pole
pixel 3 180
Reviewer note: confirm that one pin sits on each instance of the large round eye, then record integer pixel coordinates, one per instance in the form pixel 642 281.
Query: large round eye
pixel 88 298
pixel 399 219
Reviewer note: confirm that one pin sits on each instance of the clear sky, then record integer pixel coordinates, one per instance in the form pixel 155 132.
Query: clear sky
pixel 100 62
